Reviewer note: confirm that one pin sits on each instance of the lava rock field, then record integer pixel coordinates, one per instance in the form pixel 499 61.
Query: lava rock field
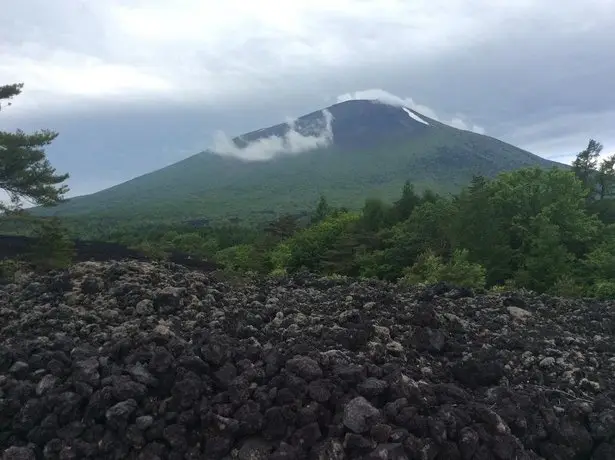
pixel 138 360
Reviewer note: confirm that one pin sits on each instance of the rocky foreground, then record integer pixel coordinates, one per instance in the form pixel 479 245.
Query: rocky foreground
pixel 137 361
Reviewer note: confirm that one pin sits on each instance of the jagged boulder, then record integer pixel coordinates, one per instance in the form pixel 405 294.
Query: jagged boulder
pixel 136 360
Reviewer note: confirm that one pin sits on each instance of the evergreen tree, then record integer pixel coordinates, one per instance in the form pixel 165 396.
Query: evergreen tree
pixel 323 209
pixel 341 258
pixel 283 227
pixel 375 214
pixel 584 166
pixel 8 92
pixel 53 247
pixel 25 171
pixel 477 184
pixel 606 177
pixel 404 206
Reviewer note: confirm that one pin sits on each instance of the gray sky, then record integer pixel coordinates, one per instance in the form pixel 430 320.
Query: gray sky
pixel 136 85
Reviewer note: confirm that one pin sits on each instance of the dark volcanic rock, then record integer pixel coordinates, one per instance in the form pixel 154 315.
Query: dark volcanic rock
pixel 142 361
pixel 304 367
pixel 360 415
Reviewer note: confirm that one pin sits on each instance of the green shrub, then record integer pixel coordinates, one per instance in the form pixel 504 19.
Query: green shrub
pixel 509 285
pixel 430 269
pixel 567 286
pixel 241 258
pixel 604 290
pixel 280 256
pixel 53 247
pixel 426 270
pixel 151 250
pixel 278 273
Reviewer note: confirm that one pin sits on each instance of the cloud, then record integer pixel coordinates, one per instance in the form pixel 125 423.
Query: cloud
pixel 76 76
pixel 292 143
pixel 214 52
pixel 561 136
pixel 387 98
pixel 459 123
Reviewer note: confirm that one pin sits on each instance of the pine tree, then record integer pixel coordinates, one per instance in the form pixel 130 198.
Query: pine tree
pixel 25 171
pixel 403 207
pixel 323 209
pixel 283 227
pixel 53 247
pixel 584 166
pixel 375 214
pixel 606 177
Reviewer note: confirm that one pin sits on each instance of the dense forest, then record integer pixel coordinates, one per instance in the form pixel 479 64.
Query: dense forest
pixel 545 230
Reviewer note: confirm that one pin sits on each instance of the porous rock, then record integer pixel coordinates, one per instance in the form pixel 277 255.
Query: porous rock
pixel 139 360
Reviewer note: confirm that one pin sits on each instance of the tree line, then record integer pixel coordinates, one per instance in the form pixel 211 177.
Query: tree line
pixel 546 230
pixel 550 231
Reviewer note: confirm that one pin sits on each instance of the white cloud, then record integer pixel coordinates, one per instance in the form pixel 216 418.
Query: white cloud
pixel 391 99
pixel 561 137
pixel 292 143
pixel 387 98
pixel 73 75
pixel 215 51
pixel 459 123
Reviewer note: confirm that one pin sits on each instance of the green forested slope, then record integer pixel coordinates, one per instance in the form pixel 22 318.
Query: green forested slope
pixel 375 164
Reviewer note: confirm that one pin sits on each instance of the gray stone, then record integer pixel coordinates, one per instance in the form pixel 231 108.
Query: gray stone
pixel 254 449
pixel 547 362
pixel 18 453
pixel 87 371
pixel 144 422
pixel 518 313
pixel 46 384
pixel 145 307
pixel 372 387
pixel 119 414
pixel 359 415
pixel 304 367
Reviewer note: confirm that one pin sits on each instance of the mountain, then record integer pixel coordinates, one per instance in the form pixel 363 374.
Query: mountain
pixel 348 152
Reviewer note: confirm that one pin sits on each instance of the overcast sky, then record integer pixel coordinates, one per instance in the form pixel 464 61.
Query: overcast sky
pixel 136 85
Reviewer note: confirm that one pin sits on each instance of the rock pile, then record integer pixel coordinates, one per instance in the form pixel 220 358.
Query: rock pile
pixel 131 360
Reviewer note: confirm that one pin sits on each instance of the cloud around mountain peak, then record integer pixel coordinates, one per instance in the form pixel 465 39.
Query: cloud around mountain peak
pixel 294 142
pixel 380 95
pixel 291 143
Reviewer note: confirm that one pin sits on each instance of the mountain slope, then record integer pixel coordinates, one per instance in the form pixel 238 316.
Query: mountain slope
pixel 356 149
